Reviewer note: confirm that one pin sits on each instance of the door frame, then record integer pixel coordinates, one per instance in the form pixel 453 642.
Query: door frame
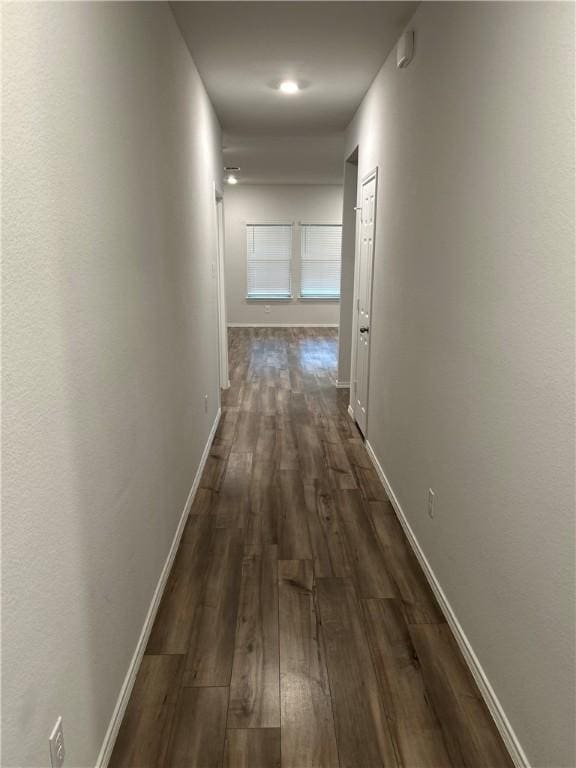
pixel 223 372
pixel 373 174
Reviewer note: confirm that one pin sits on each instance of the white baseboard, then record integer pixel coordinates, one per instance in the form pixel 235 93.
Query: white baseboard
pixel 129 680
pixel 282 325
pixel 351 412
pixel 342 384
pixel 492 702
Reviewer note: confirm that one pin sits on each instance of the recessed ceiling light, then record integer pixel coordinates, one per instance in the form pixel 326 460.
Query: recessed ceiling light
pixel 289 86
pixel 231 171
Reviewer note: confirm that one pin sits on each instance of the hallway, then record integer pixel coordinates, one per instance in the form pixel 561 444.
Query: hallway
pixel 297 629
pixel 288 391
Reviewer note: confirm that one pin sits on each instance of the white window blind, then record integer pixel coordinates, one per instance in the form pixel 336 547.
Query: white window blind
pixel 320 261
pixel 269 249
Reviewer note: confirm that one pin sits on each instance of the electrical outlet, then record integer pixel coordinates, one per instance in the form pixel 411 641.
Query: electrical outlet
pixel 56 741
pixel 205 403
pixel 267 308
pixel 431 500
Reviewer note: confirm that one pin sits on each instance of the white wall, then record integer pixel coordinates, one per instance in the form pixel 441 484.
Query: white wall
pixel 349 221
pixel 472 369
pixel 111 149
pixel 279 204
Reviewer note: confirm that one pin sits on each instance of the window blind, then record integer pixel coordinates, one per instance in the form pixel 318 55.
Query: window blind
pixel 269 252
pixel 320 261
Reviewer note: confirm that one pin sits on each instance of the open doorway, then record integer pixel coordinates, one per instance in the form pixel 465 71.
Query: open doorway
pixel 221 293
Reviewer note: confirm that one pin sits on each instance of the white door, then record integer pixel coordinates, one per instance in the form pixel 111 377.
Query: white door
pixel 364 299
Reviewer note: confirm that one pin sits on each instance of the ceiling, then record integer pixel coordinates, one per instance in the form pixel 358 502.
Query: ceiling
pixel 243 49
pixel 286 159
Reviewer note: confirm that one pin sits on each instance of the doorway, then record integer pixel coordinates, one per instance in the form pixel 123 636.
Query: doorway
pixel 363 301
pixel 221 293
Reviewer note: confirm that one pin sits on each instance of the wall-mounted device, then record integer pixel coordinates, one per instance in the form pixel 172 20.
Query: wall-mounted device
pixel 405 50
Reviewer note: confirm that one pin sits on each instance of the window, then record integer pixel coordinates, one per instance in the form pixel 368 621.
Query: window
pixel 320 261
pixel 269 249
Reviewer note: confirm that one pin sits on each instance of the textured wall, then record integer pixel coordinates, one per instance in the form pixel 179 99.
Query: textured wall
pixel 109 317
pixel 279 204
pixel 472 368
pixel 349 220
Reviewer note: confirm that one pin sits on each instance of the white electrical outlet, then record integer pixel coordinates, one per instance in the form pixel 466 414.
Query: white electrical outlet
pixel 267 308
pixel 56 741
pixel 205 403
pixel 431 500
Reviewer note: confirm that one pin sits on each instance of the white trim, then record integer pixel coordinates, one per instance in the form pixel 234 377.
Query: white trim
pixel 342 384
pixel 129 680
pixel 282 325
pixel 488 694
pixel 351 412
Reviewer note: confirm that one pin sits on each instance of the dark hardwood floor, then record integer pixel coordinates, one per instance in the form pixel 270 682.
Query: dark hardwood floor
pixel 297 629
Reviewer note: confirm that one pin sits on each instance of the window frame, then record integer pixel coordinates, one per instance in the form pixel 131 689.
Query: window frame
pixel 271 297
pixel 302 225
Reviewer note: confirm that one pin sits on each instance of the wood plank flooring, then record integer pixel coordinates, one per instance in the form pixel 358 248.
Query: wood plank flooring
pixel 297 629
